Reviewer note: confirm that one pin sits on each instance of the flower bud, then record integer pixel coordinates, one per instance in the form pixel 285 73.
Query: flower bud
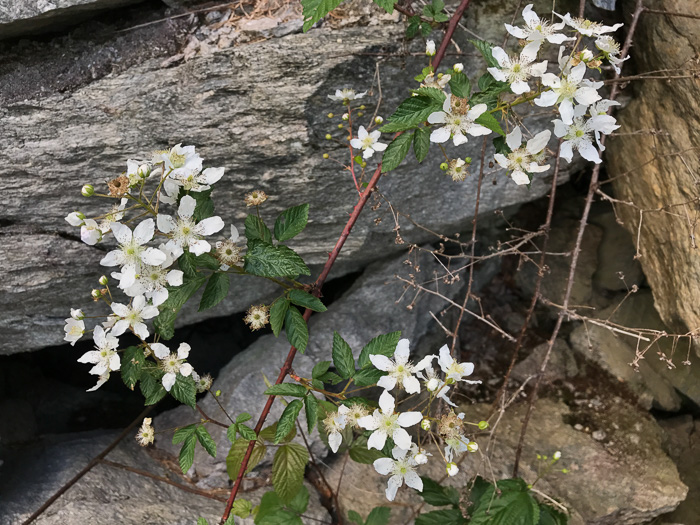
pixel 88 190
pixel 328 136
pixel 472 446
pixel 78 314
pixel 444 166
pixel 144 171
pixel 96 294
pixel 340 126
pixel 420 458
pixel 483 425
pixel 459 67
pixel 565 471
pixel 557 455
pixel 433 384
pixel 75 218
pixel 378 120
pixel 425 424
pixel 363 164
pixel 452 469
pixel 330 115
pixel 345 116
pixel 325 155
pixel 430 48
pixel 358 159
pixel 217 393
pixel 359 113
pixel 363 106
pixel 468 160
pixel 103 280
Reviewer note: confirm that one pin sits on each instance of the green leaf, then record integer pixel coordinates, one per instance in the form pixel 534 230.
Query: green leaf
pixel 421 143
pixel 442 517
pixel 181 434
pixel 241 508
pixel 186 263
pixel 306 300
pixel 206 440
pixel 131 366
pixel 300 502
pixel 460 85
pixel 486 51
pixel 387 5
pixel 425 28
pixel 551 516
pixel 288 469
pixel 437 495
pixel 368 376
pixel 320 369
pixel 412 28
pixel 234 459
pixel 342 357
pixel 378 516
pixel 278 311
pixel 331 377
pixel 267 260
pixel 231 432
pixel 359 452
pixel 396 152
pixel 215 291
pixel 177 296
pixel 287 419
pixel 513 506
pixel 207 260
pixel 255 229
pixel 291 222
pixel 297 331
pixel 314 10
pixel 268 433
pixel 187 453
pixel 427 70
pixel 243 417
pixel 184 390
pixel 311 411
pixel 151 388
pixel 202 521
pixel 499 143
pixel 246 432
pixel 278 516
pixel 205 206
pixel 436 95
pixel 382 344
pixel 490 91
pixel 287 389
pixel 412 112
pixel 488 121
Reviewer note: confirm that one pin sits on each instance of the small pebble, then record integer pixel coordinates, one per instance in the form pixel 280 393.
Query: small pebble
pixel 598 435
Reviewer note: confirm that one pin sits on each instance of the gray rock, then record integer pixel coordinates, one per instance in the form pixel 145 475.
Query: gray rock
pixel 26 17
pixel 615 256
pixel 247 108
pixel 659 169
pixel 562 364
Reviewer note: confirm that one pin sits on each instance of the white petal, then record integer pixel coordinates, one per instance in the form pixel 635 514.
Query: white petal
pixel 183 351
pixel 120 309
pixel 368 422
pixel 141 330
pixel 166 223
pixel 520 178
pixel 529 53
pixel 392 486
pixel 459 139
pixel 402 352
pixel 440 135
pixel 550 80
pixel 497 74
pixel 500 56
pixel 168 381
pixel 530 16
pixel 566 150
pixel 411 385
pixel 577 73
pixel 514 138
pixel 120 326
pixel 198 247
pixel 377 440
pixel 149 312
pixel 546 99
pixel 212 175
pixel 186 369
pixel 538 142
pixel 368 153
pixel 502 160
pixel 121 232
pixel 402 438
pixel 387 403
pixel 588 152
pixel 424 363
pixel 187 206
pixel 445 360
pixel 387 382
pixel 114 363
pixel 113 258
pixel 103 379
pixel 520 87
pixel 144 231
pixel 159 296
pixel 476 111
pixel 160 350
pixel 383 466
pixel 153 256
pixel 356 143
pixel 379 146
pixel 586 95
pixel 516 31
pixel 362 133
pixel 209 226
pixel 437 118
pixel 174 277
pixel 334 441
pixel 413 480
pixel 408 419
pixel 92 357
pixel 566 110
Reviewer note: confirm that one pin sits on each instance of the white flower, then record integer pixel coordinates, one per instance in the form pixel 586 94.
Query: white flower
pixel 334 423
pixel 600 118
pixel 90 233
pixel 434 384
pixel 179 159
pixel 132 252
pixel 75 218
pixel 172 364
pixel 346 95
pixel 438 82
pixel 185 232
pixel 430 48
pixel 192 180
pixel 105 358
pixel 367 142
pixel 133 173
pixel 516 71
pixel 146 433
pixel 402 469
pixel 100 381
pixel 133 316
pixel 458 119
pixel 452 469
pixel 458 67
pixel 452 369
pixel 418 454
pixel 74 328
pixel 577 135
pixel 77 314
pixel 556 456
pixel 227 252
pixel 521 160
pixel 385 423
pixel 537 30
pixel 115 214
pixel 399 369
pixel 456 170
pixel 567 89
pixel 586 27
pixel 153 280
pixel 611 50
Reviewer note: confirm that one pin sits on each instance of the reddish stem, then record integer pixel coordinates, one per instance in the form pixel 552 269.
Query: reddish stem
pixel 456 17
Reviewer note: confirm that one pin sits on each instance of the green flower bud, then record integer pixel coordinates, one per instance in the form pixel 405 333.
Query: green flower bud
pixel 425 424
pixel 472 446
pixel 328 136
pixel 363 164
pixel 144 171
pixel 330 115
pixel 103 280
pixel 340 126
pixel 88 190
pixel 96 294
pixel 363 106
pixel 483 425
pixel 325 155
pixel 359 113
pixel 444 166
pixel 345 116
pixel 217 393
pixel 468 160
pixel 378 120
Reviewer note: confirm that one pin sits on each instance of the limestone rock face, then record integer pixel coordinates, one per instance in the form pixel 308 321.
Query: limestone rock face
pixel 260 111
pixel 658 167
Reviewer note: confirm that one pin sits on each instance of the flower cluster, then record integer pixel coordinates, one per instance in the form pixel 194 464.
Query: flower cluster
pixel 145 253
pixel 386 424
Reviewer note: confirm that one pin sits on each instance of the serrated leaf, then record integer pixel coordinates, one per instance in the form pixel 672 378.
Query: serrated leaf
pixel 421 143
pixel 267 260
pixel 204 204
pixel 359 452
pixel 355 518
pixel 291 222
pixel 488 121
pixel 181 434
pixel 288 469
pixel 396 152
pixel 151 388
pixel 296 329
pixel 387 5
pixel 278 311
pixel 460 85
pixel 215 291
pixel 486 51
pixel 241 508
pixel 186 263
pixel 442 517
pixel 499 143
pixel 425 28
pixel 382 345
pixel 413 26
pixel 268 433
pixel 411 112
pixel 437 495
pixel 306 300
pixel 513 506
pixel 231 432
pixel 331 377
pixel 314 10
pixel 368 376
pixel 343 360
pixel 287 389
pixel 287 419
pixel 255 229
pixel 184 390
pixel 234 459
pixel 436 95
pixel 551 516
pixel 243 417
pixel 300 502
pixel 177 296
pixel 132 365
pixel 320 368
pixel 379 516
pixel 186 457
pixel 206 440
pixel 311 411
pixel 246 432
pixel 202 521
pixel 208 261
